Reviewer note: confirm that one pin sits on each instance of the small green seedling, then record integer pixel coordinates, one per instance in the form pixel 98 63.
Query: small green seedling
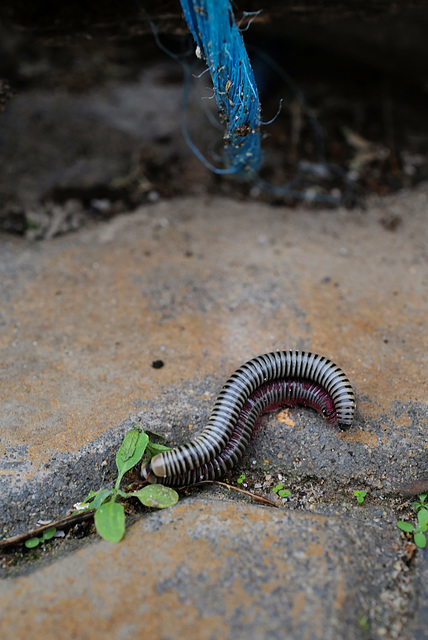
pixel 46 535
pixel 364 623
pixel 279 490
pixel 421 504
pixel 360 495
pixel 421 526
pixel 110 515
pixel 241 478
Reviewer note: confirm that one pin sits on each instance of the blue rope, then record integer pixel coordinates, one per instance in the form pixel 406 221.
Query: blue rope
pixel 220 44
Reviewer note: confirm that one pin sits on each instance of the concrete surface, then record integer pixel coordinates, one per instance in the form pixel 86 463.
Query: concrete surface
pixel 215 571
pixel 205 284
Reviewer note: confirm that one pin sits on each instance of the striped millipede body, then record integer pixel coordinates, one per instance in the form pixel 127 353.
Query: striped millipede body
pixel 264 383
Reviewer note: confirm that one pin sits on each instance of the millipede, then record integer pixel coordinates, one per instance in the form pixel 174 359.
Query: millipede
pixel 265 383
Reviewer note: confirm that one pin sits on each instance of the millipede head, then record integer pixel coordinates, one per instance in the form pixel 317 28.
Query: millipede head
pixel 154 470
pixel 147 474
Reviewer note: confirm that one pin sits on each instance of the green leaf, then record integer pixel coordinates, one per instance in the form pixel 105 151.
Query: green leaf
pixel 127 448
pixel 420 540
pixel 100 497
pixel 363 623
pixel 32 542
pixel 284 493
pixel 360 495
pixel 156 495
pixel 153 435
pixel 405 526
pixel 89 497
pixel 130 452
pixel 110 521
pixel 153 448
pixel 49 533
pixel 423 516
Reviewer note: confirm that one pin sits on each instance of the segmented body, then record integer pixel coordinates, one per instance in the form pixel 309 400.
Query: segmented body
pixel 261 384
pixel 268 397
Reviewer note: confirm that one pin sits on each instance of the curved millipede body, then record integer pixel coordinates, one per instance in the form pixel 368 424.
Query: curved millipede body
pixel 264 383
pixel 268 397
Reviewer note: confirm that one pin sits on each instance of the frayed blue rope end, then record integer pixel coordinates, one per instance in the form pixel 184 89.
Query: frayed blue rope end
pixel 220 44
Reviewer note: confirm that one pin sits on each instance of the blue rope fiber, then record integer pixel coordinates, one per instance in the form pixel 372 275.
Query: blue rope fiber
pixel 220 44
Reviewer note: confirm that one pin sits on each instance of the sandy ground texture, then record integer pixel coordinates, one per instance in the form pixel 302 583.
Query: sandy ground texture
pixel 204 284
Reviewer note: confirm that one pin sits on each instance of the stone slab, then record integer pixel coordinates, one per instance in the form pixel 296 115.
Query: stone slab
pixel 208 571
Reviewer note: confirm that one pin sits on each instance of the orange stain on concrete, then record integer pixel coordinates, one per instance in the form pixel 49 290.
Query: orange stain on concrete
pixel 370 439
pixel 300 602
pixel 285 418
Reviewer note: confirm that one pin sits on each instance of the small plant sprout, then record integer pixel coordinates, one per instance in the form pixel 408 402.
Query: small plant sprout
pixel 280 491
pixel 46 535
pixel 241 478
pixel 421 525
pixel 421 504
pixel 360 495
pixel 110 515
